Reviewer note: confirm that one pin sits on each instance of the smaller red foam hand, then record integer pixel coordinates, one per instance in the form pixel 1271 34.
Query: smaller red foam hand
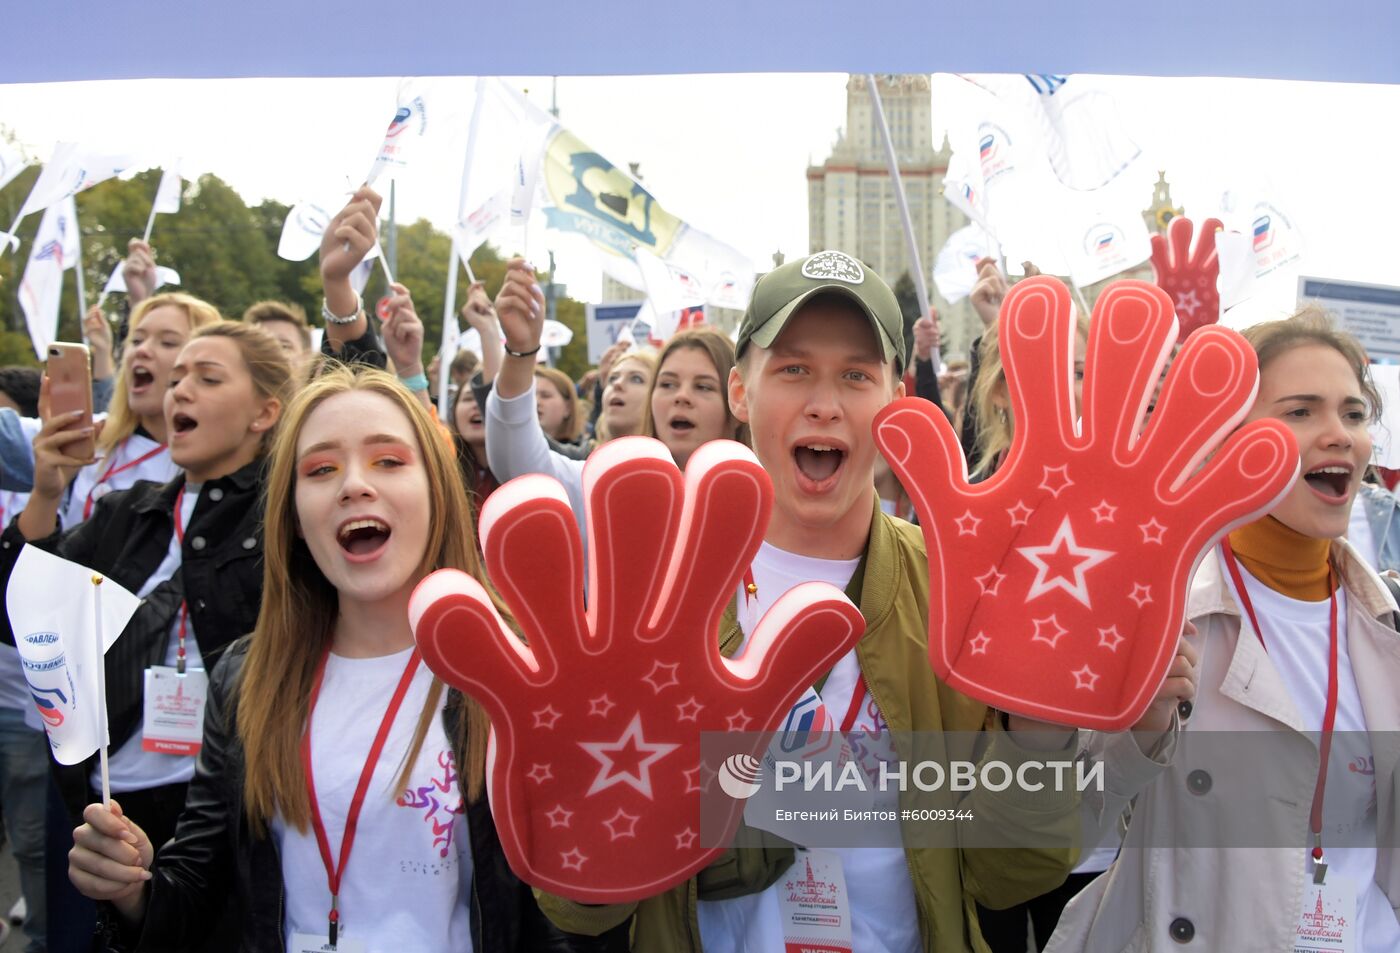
pixel 1189 277
pixel 594 767
pixel 1057 587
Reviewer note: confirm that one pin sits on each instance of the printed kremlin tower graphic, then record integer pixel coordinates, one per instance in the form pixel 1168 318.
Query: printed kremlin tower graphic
pixel 811 889
pixel 1324 924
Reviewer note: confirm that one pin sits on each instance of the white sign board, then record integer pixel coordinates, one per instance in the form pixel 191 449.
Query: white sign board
pixel 1370 312
pixel 604 322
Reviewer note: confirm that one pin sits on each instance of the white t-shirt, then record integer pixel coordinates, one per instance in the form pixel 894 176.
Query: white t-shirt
pixel 131 767
pixel 1359 532
pixel 1296 636
pixel 884 914
pixel 107 472
pixel 407 883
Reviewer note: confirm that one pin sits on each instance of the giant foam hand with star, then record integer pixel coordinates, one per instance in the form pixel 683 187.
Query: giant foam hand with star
pixel 1058 585
pixel 1189 276
pixel 594 769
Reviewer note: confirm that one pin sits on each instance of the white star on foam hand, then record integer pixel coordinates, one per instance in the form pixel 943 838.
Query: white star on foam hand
pixel 662 676
pixel 685 839
pixel 688 710
pixel 1063 541
pixel 546 717
pixel 559 817
pixel 1020 513
pixel 601 705
pixel 1110 638
pixel 572 859
pixel 990 581
pixel 631 739
pixel 967 524
pixel 1103 513
pixel 978 643
pixel 1141 594
pixel 737 721
pixel 1048 630
pixel 1056 480
pixel 622 824
pixel 1085 677
pixel 540 773
pixel 1152 531
pixel 1187 302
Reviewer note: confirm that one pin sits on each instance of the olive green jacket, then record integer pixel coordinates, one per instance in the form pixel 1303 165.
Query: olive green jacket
pixel 948 881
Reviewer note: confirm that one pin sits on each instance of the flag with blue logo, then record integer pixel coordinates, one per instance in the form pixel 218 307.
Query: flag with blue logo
pixel 52 609
pixel 73 168
pixel 55 250
pixel 406 129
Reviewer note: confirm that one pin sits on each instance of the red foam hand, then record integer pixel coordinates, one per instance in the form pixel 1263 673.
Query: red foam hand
pixel 594 767
pixel 1189 277
pixel 1058 585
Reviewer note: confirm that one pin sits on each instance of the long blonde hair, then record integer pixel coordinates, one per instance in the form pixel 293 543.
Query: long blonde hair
pixel 121 422
pixel 647 359
pixel 299 608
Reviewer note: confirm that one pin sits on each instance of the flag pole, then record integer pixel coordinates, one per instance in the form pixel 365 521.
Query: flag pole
pixel 10 235
pixel 151 219
pixel 920 284
pixel 82 289
pixel 449 301
pixel 101 690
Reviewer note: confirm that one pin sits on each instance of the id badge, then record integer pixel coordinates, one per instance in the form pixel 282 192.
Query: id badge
pixel 318 943
pixel 1326 922
pixel 174 710
pixel 814 905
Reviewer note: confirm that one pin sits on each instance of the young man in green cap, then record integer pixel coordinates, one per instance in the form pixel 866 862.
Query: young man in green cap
pixel 821 351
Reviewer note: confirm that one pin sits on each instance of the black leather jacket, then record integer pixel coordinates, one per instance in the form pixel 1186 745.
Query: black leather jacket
pixel 215 854
pixel 126 539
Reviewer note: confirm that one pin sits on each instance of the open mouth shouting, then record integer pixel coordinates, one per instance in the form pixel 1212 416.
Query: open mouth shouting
pixel 141 379
pixel 363 539
pixel 818 463
pixel 1331 482
pixel 681 425
pixel 181 425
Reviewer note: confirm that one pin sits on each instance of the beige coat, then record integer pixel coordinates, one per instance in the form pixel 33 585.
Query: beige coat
pixel 1163 896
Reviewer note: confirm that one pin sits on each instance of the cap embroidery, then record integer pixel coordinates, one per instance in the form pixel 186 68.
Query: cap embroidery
pixel 833 265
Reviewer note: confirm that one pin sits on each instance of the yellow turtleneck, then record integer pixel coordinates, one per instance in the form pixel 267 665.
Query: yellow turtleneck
pixel 1284 559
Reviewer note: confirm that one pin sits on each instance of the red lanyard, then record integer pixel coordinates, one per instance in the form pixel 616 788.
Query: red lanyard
pixel 335 872
pixel 1329 714
pixel 857 698
pixel 113 470
pixel 184 603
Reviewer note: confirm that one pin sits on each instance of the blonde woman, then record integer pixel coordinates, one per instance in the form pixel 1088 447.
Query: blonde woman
pixel 363 501
pixel 132 442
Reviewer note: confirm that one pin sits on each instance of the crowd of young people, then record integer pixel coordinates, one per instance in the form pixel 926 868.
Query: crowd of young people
pixel 275 509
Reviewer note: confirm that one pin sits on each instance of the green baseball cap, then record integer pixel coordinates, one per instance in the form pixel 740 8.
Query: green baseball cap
pixel 778 295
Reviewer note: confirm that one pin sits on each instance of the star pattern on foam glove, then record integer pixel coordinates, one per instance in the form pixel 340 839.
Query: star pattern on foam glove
pixel 1049 559
pixel 1048 630
pixel 1098 510
pixel 1085 678
pixel 602 705
pixel 1152 531
pixel 967 524
pixel 662 677
pixel 1189 275
pixel 627 760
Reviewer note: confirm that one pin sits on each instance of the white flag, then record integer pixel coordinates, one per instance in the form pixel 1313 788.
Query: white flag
pixel 168 192
pixel 51 606
pixel 955 270
pixel 483 224
pixel 11 163
pixel 117 282
pixel 408 126
pixel 669 287
pixel 71 169
pixel 54 251
pixel 1076 124
pixel 306 222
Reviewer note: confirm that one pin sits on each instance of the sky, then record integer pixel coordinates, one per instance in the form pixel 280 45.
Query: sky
pixel 728 153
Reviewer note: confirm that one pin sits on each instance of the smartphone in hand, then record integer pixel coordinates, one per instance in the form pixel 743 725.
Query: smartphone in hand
pixel 69 370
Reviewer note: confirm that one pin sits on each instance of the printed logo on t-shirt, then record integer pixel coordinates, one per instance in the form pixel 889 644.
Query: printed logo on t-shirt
pixel 439 800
